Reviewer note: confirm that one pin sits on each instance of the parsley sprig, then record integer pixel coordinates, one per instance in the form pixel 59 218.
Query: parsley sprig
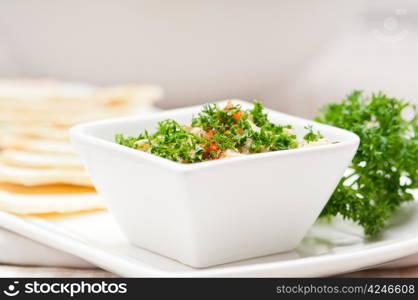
pixel 385 167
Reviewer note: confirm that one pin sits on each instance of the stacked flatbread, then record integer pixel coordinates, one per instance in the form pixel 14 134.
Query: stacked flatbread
pixel 39 171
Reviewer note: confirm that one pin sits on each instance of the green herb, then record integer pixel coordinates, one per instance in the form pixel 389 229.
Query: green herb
pixel 215 130
pixel 385 167
pixel 311 136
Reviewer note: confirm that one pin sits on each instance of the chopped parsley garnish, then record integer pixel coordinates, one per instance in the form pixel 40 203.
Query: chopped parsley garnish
pixel 385 167
pixel 311 136
pixel 217 133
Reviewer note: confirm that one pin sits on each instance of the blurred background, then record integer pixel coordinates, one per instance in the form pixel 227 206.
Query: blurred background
pixel 292 55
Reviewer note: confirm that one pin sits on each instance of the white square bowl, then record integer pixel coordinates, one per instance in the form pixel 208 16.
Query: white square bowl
pixel 209 213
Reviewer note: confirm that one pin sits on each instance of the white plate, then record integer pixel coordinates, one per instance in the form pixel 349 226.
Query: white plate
pixel 328 249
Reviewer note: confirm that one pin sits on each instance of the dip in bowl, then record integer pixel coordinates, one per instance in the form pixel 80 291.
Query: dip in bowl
pixel 213 211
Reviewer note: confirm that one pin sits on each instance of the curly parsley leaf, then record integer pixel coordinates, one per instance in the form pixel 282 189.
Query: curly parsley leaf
pixel 385 167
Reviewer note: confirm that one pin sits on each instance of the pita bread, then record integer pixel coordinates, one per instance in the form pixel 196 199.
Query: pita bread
pixel 39 170
pixel 45 189
pixel 40 160
pixel 41 204
pixel 53 215
pixel 61 116
pixel 16 142
pixel 33 130
pixel 31 176
pixel 38 93
pixel 53 96
pixel 58 103
pixel 113 96
pixel 69 119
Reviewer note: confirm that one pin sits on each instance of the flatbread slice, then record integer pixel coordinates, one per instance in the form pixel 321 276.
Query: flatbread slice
pixel 27 101
pixel 52 95
pixel 45 189
pixel 35 145
pixel 26 159
pixel 35 130
pixel 136 94
pixel 41 204
pixel 39 94
pixel 32 176
pixel 90 114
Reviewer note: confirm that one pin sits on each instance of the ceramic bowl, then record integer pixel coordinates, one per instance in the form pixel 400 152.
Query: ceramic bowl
pixel 209 213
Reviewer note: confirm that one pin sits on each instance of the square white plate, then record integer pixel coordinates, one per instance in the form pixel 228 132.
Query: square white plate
pixel 328 249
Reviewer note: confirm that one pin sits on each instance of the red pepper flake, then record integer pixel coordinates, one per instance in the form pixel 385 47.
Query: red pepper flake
pixel 238 115
pixel 210 134
pixel 213 147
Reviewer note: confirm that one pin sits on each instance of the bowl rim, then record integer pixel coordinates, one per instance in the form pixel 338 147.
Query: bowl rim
pixel 80 132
